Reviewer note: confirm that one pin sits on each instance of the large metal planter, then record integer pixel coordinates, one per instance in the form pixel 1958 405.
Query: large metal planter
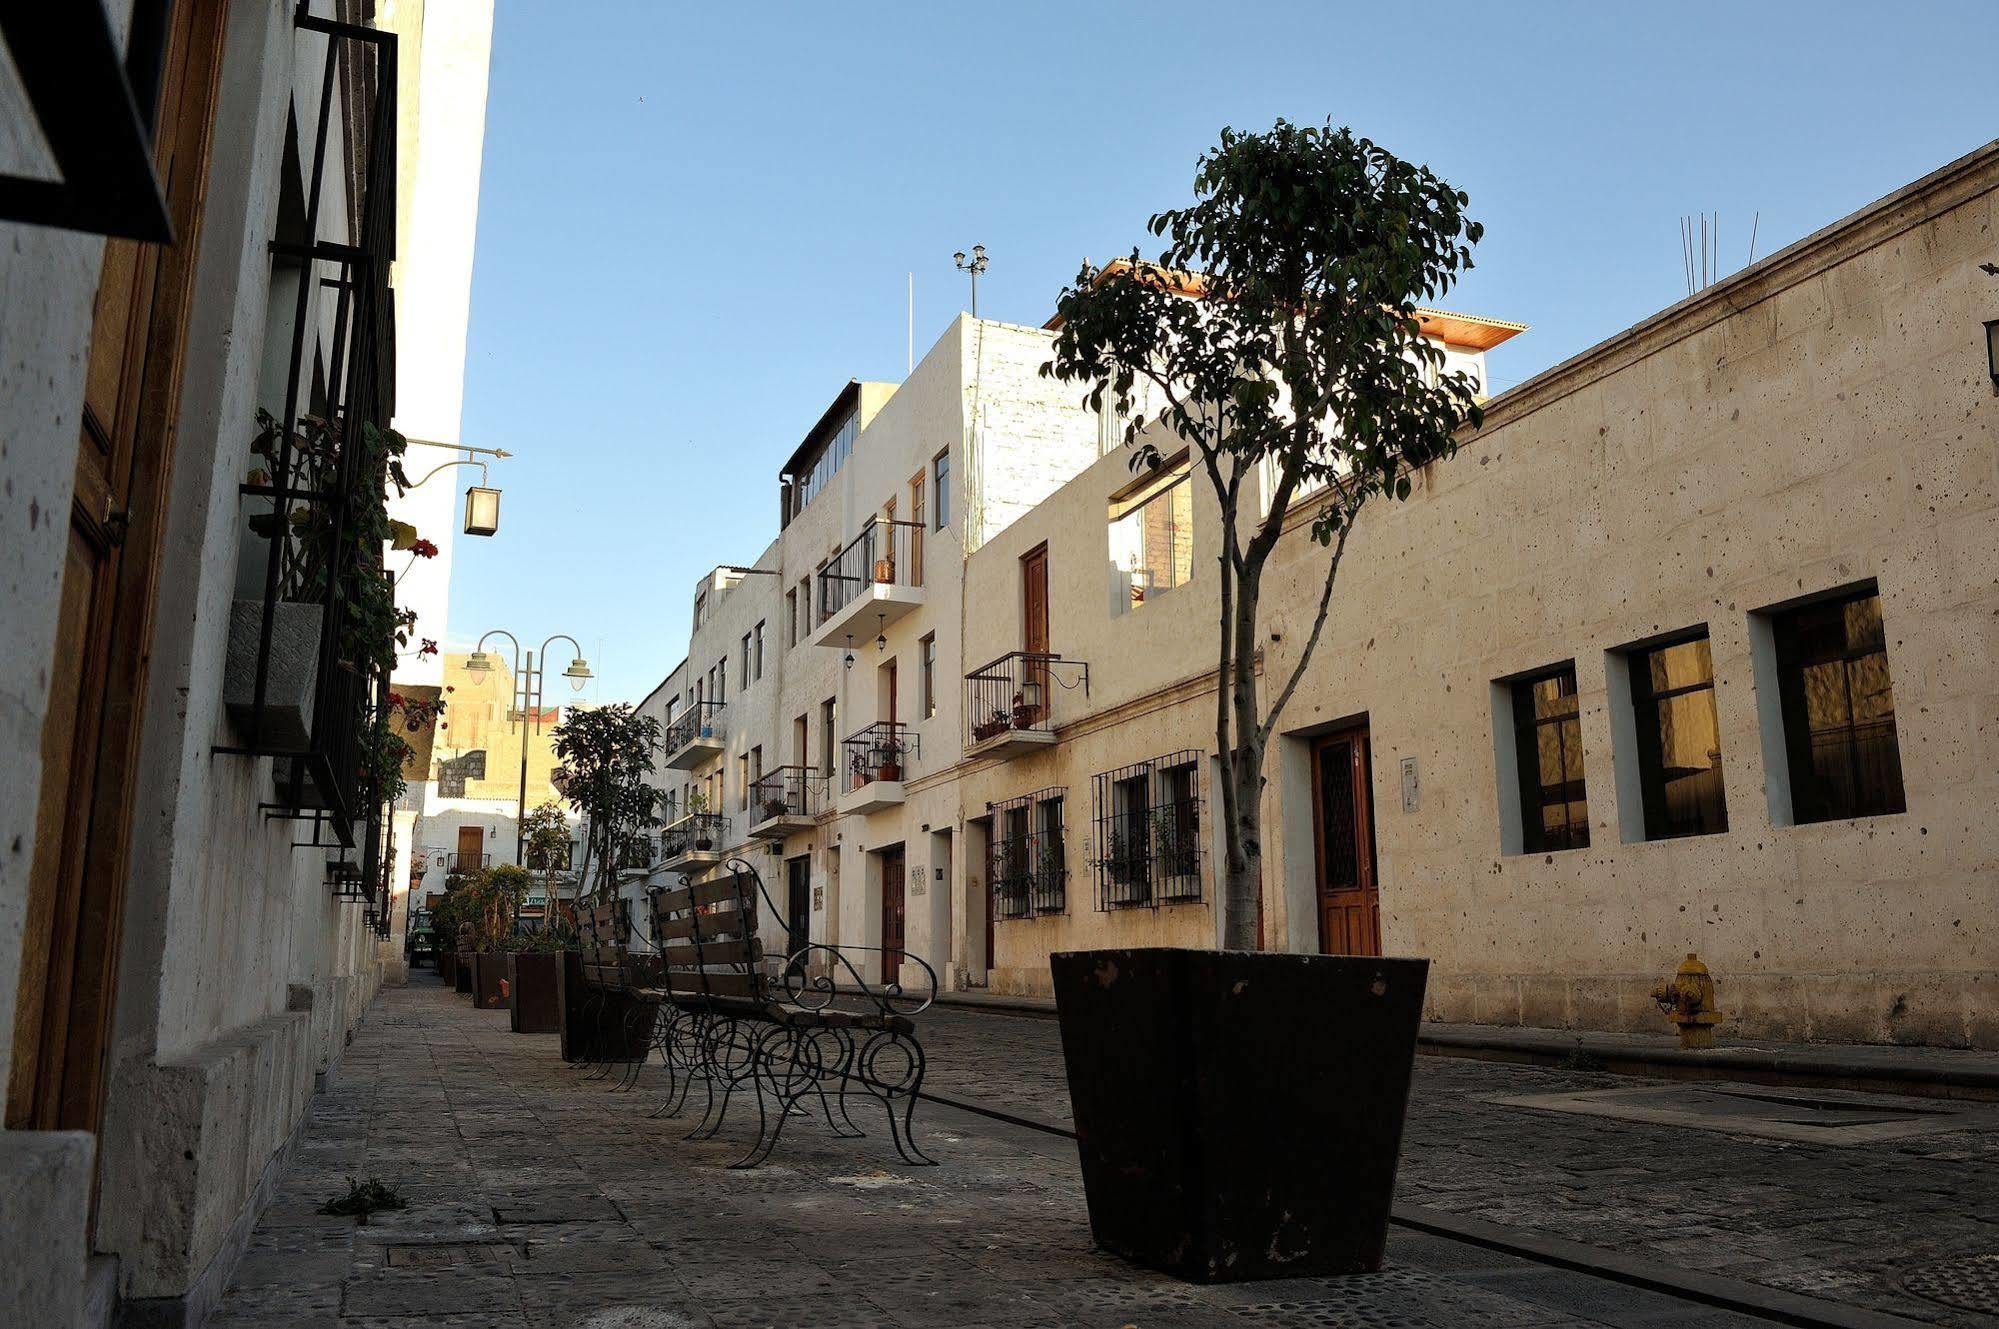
pixel 489 980
pixel 462 972
pixel 447 968
pixel 531 994
pixel 1239 1115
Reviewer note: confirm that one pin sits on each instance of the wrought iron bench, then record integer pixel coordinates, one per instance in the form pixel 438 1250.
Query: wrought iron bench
pixel 787 1028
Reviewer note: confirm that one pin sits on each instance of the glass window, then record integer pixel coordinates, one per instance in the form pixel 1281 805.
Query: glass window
pixel 828 460
pixel 940 474
pixel 1839 710
pixel 1152 542
pixel 1679 739
pixel 790 618
pixel 1547 741
pixel 759 653
pixel 927 652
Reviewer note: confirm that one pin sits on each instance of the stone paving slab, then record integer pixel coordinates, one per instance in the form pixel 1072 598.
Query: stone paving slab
pixel 540 1198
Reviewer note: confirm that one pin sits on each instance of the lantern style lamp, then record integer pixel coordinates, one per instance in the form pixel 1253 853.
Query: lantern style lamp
pixel 1030 694
pixel 1992 351
pixel 478 663
pixel 578 671
pixel 482 510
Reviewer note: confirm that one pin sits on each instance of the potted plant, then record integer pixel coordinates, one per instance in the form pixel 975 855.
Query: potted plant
pixel 532 961
pixel 888 760
pixel 1125 858
pixel 991 727
pixel 495 896
pixel 775 808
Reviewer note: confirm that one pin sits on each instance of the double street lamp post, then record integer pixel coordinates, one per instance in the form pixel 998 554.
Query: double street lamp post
pixel 527 706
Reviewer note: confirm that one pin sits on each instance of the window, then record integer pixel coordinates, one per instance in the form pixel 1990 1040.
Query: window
pixel 1148 824
pixel 828 460
pixel 756 773
pixel 940 474
pixel 826 721
pixel 747 675
pixel 790 618
pixel 804 608
pixel 1679 739
pixel 1029 870
pixel 743 782
pixel 927 653
pixel 1152 539
pixel 916 529
pixel 1548 745
pixel 1839 709
pixel 801 749
pixel 721 681
pixel 759 634
pixel 700 607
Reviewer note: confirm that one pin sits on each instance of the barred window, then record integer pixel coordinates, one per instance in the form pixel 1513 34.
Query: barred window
pixel 1030 862
pixel 1148 824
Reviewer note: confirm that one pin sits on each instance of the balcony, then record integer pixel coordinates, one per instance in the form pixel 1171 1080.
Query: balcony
pixel 1014 705
pixel 874 765
pixel 875 580
pixel 694 842
pixel 695 737
pixel 786 801
pixel 454 864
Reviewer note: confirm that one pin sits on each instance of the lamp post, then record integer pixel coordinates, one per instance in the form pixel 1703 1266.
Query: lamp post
pixel 974 266
pixel 527 701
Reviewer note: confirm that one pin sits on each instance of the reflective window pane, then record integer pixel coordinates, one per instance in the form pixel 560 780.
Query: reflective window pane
pixel 1839 710
pixel 1679 740
pixel 1554 809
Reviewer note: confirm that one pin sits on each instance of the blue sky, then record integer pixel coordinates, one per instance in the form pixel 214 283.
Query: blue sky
pixel 696 220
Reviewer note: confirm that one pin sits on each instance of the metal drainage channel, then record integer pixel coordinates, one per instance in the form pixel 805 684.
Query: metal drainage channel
pixel 1972 1284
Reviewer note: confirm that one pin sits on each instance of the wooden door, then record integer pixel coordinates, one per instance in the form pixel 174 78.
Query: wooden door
pixel 1343 823
pixel 798 904
pixel 471 847
pixel 889 681
pixel 1034 622
pixel 892 913
pixel 97 676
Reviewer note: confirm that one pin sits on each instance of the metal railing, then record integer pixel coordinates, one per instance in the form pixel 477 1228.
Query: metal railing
pixel 697 832
pixel 879 752
pixel 702 719
pixel 885 553
pixel 788 791
pixel 457 863
pixel 1018 693
pixel 1029 867
pixel 1148 832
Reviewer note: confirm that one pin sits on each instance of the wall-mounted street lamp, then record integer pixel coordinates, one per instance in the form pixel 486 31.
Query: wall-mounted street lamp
pixel 482 502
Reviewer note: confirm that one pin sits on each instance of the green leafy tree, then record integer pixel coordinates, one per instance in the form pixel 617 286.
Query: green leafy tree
pixel 547 840
pixel 607 755
pixel 1279 329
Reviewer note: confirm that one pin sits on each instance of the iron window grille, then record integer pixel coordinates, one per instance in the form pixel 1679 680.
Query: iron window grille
pixel 788 791
pixel 1030 858
pixel 879 752
pixel 320 459
pixel 885 553
pixel 1148 832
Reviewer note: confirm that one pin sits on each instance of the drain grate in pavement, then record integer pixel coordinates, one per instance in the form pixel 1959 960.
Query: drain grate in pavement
pixel 444 1256
pixel 1970 1283
pixel 1819 1116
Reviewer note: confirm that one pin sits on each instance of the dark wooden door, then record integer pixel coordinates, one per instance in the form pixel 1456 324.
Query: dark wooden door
pixel 73 926
pixel 1034 622
pixel 798 902
pixel 471 847
pixel 1343 822
pixel 892 913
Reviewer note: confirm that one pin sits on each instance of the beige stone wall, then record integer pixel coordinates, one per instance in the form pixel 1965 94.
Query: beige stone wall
pixel 1821 420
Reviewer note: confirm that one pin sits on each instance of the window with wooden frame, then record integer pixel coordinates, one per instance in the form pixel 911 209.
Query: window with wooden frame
pixel 1548 750
pixel 1152 537
pixel 1839 709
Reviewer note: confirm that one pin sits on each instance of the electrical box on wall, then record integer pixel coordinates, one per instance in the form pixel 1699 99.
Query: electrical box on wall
pixel 1408 784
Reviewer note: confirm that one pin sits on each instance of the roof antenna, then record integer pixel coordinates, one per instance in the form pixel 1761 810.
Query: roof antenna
pixel 1753 224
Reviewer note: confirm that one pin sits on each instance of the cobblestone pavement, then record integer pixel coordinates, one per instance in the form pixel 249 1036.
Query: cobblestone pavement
pixel 539 1198
pixel 1848 1224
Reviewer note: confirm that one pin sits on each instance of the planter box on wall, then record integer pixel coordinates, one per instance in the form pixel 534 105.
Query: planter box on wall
pixel 288 682
pixel 531 994
pixel 1239 1115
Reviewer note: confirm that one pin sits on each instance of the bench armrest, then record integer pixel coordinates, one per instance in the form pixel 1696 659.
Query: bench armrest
pixel 816 992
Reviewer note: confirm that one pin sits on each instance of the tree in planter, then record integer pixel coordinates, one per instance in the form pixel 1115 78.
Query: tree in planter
pixel 606 756
pixel 1279 328
pixel 493 904
pixel 547 841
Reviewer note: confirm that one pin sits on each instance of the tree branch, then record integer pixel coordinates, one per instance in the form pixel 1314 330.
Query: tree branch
pixel 1283 696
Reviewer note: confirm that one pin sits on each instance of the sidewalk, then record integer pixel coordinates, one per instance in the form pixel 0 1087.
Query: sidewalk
pixel 540 1198
pixel 1882 1068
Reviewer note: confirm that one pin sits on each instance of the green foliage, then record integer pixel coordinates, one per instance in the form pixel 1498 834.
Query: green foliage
pixel 606 756
pixel 558 935
pixel 364 1198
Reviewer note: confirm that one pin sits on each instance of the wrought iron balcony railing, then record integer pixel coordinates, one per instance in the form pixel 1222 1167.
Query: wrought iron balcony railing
pixel 457 863
pixel 1021 694
pixel 885 553
pixel 788 791
pixel 692 735
pixel 695 833
pixel 879 752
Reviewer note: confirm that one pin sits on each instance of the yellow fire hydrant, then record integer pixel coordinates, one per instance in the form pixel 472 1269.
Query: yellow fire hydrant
pixel 1687 998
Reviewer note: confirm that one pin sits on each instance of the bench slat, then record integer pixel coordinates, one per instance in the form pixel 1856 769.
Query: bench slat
pixel 713 952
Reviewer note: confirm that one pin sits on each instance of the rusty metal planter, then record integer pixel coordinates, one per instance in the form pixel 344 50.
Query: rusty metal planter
pixel 531 994
pixel 1239 1115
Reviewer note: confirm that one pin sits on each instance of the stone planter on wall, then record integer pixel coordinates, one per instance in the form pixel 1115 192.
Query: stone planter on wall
pixel 1239 1115
pixel 289 680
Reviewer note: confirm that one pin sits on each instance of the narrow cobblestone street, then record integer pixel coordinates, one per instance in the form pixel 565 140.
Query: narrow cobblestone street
pixel 537 1197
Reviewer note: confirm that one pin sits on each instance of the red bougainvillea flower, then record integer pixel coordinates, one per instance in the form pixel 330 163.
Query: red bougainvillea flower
pixel 429 646
pixel 424 549
pixel 395 699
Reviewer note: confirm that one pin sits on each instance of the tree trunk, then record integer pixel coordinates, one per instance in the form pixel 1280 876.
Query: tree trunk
pixel 1242 914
